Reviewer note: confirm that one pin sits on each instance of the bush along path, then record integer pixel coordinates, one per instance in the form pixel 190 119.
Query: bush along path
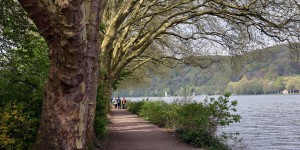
pixel 194 122
pixel 129 132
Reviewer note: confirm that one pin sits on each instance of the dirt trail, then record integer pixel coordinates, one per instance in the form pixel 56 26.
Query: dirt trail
pixel 128 132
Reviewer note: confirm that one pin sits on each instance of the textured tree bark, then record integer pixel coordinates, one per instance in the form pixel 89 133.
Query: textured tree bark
pixel 71 31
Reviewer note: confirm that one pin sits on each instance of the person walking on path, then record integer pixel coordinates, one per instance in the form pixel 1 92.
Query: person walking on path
pixel 114 101
pixel 123 103
pixel 119 102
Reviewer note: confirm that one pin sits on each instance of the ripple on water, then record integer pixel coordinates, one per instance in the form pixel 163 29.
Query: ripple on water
pixel 268 122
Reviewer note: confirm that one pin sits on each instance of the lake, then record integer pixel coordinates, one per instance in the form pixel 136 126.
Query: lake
pixel 269 122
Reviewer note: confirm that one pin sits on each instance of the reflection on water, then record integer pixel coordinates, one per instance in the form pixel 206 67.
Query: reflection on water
pixel 269 122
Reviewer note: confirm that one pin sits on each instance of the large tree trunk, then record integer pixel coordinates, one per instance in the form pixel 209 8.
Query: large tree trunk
pixel 71 30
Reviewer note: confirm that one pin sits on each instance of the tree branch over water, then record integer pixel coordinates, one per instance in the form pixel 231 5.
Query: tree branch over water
pixel 189 30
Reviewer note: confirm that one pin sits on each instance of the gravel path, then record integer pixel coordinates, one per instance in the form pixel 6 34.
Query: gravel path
pixel 128 132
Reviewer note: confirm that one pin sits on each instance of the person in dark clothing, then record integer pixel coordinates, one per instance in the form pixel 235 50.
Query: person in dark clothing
pixel 119 102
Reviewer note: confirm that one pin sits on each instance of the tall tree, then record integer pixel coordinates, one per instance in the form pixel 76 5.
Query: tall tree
pixel 70 29
pixel 24 67
pixel 190 30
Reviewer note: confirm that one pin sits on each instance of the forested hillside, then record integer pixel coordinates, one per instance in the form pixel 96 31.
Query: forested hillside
pixel 266 71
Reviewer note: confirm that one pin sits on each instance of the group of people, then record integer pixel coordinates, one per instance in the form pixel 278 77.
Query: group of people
pixel 118 103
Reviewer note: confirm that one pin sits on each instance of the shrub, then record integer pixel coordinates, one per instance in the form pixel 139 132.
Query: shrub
pixel 171 115
pixel 202 139
pixel 18 126
pixel 135 107
pixel 101 120
pixel 155 112
pixel 196 123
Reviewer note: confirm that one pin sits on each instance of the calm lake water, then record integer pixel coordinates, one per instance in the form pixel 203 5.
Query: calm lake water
pixel 269 122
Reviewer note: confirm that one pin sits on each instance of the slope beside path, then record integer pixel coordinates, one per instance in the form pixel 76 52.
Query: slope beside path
pixel 129 132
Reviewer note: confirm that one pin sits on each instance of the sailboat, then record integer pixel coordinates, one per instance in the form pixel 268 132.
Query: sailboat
pixel 193 92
